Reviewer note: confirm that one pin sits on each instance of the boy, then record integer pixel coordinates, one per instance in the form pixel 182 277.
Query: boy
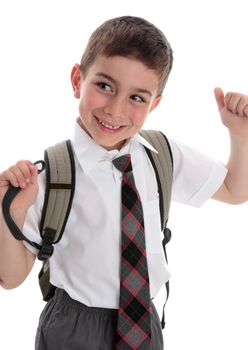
pixel 119 81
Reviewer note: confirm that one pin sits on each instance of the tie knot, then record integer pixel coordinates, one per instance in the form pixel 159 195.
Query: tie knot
pixel 123 163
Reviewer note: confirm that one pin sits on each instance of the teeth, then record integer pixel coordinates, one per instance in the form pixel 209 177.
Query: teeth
pixel 112 127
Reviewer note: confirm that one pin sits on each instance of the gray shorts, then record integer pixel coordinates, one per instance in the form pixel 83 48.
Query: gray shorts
pixel 66 324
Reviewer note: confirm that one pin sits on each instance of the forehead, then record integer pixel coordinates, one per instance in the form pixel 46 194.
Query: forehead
pixel 125 71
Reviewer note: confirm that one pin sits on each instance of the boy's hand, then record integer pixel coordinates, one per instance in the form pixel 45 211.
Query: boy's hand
pixel 24 174
pixel 233 108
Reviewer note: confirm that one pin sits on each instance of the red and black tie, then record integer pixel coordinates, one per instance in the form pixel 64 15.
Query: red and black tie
pixel 134 317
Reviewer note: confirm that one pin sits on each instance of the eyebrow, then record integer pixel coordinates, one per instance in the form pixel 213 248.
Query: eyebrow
pixel 106 76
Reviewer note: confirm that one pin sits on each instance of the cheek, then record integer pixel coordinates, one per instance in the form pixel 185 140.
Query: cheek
pixel 91 102
pixel 87 102
pixel 139 118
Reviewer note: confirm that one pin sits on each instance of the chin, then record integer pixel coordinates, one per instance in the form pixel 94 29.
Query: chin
pixel 112 146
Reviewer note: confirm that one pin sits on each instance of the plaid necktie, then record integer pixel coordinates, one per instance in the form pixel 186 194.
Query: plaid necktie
pixel 134 317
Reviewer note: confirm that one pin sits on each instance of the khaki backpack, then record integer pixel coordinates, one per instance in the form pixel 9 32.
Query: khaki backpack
pixel 60 187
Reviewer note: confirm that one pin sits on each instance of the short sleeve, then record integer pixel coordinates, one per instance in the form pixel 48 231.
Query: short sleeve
pixel 196 176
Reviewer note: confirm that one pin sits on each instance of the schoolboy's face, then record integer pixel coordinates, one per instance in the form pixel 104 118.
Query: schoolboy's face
pixel 115 98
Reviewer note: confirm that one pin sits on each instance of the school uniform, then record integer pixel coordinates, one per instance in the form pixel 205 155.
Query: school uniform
pixel 85 264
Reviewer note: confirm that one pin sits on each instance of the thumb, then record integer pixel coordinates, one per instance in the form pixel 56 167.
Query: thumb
pixel 219 97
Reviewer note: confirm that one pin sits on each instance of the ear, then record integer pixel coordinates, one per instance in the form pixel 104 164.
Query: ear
pixel 76 80
pixel 155 103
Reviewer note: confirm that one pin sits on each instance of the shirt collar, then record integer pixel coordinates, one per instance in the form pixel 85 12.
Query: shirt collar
pixel 89 153
pixel 139 139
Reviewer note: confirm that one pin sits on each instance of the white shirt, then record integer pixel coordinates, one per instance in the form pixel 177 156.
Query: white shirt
pixel 86 262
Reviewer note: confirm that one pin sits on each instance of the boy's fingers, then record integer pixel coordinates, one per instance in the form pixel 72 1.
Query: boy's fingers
pixel 27 169
pixel 16 177
pixel 232 101
pixel 24 167
pixel 7 177
pixel 236 103
pixel 242 106
pixel 34 173
pixel 20 174
pixel 34 169
pixel 3 183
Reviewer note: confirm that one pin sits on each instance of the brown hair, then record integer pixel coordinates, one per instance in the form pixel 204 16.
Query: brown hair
pixel 131 37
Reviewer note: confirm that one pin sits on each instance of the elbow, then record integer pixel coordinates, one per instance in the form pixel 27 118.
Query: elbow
pixel 231 196
pixel 10 283
pixel 6 286
pixel 237 200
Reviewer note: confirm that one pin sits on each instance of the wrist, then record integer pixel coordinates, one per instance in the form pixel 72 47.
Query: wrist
pixel 238 140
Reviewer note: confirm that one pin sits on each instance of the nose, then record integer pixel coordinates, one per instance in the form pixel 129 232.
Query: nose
pixel 116 107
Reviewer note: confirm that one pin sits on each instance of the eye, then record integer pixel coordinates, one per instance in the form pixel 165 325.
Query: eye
pixel 137 98
pixel 104 86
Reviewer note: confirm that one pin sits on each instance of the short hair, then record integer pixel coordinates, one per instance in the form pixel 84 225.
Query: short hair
pixel 132 37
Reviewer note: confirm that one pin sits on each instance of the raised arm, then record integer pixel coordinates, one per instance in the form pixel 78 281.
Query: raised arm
pixel 233 109
pixel 15 260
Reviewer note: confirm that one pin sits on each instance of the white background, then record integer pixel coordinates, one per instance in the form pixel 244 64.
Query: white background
pixel 40 41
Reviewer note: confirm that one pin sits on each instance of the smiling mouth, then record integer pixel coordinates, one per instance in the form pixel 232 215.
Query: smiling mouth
pixel 108 126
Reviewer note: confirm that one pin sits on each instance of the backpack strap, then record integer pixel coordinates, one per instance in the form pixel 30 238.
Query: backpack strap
pixel 6 203
pixel 163 166
pixel 60 188
pixel 162 163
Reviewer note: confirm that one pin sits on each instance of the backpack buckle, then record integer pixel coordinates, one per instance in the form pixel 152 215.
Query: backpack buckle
pixel 45 252
pixel 167 236
pixel 47 248
pixel 166 239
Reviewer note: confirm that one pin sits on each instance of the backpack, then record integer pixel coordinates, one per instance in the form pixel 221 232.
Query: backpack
pixel 60 186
